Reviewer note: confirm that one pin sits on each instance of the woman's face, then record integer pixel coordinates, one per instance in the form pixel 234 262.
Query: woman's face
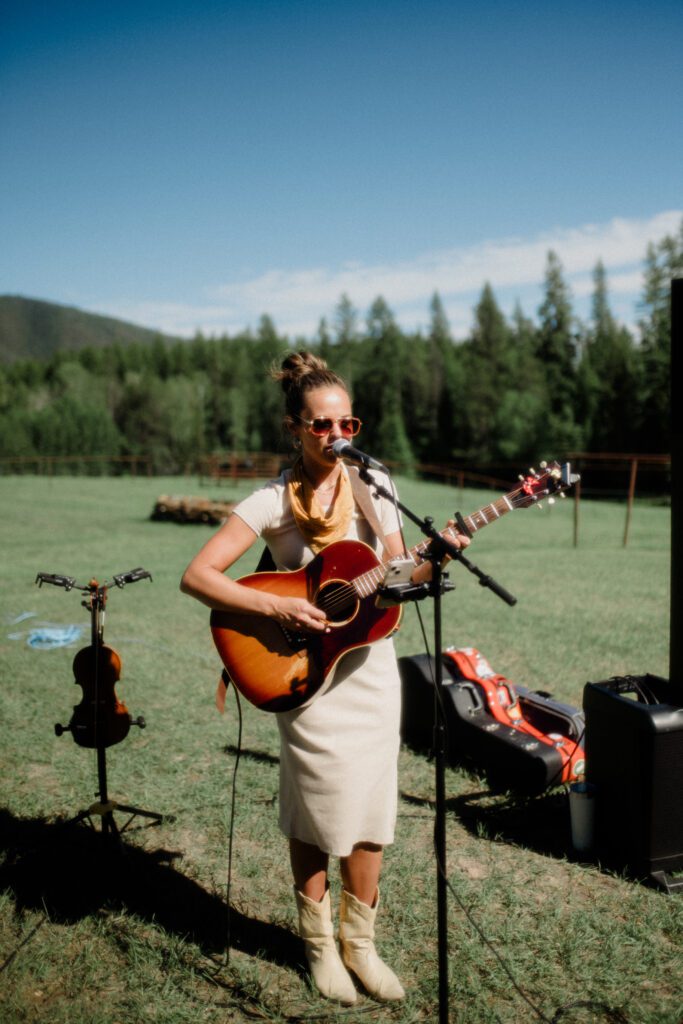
pixel 332 403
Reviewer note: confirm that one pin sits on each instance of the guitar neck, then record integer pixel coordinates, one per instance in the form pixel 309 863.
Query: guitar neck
pixel 482 517
pixel 368 583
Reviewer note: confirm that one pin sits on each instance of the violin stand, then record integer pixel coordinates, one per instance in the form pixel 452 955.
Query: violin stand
pixel 105 808
pixel 97 732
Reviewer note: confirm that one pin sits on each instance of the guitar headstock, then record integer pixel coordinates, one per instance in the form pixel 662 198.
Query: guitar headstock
pixel 552 479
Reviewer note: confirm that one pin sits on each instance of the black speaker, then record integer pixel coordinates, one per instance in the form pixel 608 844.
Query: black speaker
pixel 634 758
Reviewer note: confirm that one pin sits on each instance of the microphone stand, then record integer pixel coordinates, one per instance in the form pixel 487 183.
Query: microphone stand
pixel 438 548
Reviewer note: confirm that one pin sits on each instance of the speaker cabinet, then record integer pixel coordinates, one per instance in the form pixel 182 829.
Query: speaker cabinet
pixel 634 758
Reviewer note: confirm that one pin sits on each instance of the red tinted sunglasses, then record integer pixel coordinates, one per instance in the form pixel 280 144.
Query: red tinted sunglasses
pixel 349 425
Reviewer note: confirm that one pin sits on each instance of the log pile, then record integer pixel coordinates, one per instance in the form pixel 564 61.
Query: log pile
pixel 171 508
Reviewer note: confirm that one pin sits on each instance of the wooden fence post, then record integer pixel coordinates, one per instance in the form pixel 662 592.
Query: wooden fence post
pixel 577 499
pixel 629 502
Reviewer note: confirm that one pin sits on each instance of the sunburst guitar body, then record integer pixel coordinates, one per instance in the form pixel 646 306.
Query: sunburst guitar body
pixel 278 670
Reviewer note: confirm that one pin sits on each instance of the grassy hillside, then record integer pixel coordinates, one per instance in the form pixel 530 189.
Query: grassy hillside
pixel 33 329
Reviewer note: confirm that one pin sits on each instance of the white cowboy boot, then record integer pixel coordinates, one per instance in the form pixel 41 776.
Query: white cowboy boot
pixel 315 927
pixel 356 932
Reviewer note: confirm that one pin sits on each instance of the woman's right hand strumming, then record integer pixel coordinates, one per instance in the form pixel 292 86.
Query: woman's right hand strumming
pixel 296 613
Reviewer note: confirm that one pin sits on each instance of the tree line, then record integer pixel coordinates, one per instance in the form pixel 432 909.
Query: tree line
pixel 514 389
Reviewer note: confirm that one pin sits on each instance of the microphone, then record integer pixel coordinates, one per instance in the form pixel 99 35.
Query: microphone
pixel 344 449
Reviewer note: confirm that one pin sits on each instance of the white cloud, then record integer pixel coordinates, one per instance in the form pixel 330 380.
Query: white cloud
pixel 177 318
pixel 297 299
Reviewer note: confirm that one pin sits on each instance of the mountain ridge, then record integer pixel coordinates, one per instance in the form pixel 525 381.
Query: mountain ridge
pixel 36 328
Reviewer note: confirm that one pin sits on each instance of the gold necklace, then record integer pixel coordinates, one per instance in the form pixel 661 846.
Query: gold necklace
pixel 323 489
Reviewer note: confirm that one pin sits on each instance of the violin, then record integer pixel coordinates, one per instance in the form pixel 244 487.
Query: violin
pixel 101 719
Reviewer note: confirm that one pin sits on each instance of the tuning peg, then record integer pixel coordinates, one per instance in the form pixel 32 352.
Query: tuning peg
pixel 551 501
pixel 544 465
pixel 562 494
pixel 539 504
pixel 521 478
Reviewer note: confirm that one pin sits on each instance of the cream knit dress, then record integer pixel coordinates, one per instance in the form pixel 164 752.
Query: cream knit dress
pixel 338 755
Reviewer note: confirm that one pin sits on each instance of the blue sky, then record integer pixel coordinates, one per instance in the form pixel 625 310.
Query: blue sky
pixel 194 165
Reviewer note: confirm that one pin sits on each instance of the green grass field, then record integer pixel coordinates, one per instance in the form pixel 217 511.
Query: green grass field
pixel 90 936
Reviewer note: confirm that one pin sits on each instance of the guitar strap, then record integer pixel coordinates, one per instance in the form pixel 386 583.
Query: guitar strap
pixel 363 498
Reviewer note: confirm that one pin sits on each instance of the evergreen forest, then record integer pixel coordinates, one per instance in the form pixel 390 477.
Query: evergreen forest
pixel 515 389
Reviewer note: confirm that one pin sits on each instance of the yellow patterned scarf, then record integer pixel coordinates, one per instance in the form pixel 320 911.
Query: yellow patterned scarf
pixel 318 529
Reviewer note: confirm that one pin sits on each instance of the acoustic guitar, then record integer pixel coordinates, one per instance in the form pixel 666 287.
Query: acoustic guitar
pixel 280 670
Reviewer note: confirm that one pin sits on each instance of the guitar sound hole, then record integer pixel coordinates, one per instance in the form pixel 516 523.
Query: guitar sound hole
pixel 338 600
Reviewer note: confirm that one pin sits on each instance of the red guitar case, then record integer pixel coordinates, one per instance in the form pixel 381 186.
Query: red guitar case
pixel 522 740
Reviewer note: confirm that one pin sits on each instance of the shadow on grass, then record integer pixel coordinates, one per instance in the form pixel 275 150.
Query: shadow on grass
pixel 537 823
pixel 259 756
pixel 73 871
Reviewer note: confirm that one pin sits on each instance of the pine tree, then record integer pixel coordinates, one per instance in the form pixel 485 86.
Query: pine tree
pixel 233 397
pixel 345 321
pixel 380 398
pixel 521 411
pixel 324 342
pixel 556 350
pixel 345 354
pixel 445 393
pixel 265 403
pixel 487 360
pixel 607 378
pixel 663 261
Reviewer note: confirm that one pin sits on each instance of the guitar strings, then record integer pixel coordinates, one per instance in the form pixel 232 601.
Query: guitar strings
pixel 348 593
pixel 336 601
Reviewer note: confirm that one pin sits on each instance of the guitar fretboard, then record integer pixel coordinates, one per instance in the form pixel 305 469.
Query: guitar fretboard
pixel 367 584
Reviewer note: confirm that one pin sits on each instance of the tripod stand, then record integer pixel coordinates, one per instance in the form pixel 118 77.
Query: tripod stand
pixel 104 807
pixel 101 719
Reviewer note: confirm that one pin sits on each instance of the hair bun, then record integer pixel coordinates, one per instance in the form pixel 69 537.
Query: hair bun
pixel 301 372
pixel 296 367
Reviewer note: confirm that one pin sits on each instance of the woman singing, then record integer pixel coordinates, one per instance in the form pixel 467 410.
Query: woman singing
pixel 339 754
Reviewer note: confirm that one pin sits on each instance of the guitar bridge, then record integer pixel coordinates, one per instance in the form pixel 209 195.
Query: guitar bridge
pixel 297 641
